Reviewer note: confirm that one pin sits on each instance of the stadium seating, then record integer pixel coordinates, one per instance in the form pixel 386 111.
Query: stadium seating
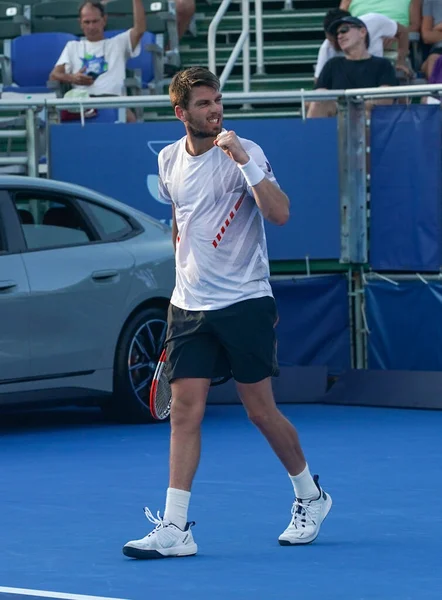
pixel 28 60
pixel 12 21
pixel 55 16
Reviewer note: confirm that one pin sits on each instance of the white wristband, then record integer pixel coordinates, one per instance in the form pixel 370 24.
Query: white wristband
pixel 253 174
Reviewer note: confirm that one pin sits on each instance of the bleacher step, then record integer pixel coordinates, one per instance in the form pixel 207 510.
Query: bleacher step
pixel 269 83
pixel 272 21
pixel 299 52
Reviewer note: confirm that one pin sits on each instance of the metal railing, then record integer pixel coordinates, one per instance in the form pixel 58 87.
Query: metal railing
pixel 242 44
pixel 348 101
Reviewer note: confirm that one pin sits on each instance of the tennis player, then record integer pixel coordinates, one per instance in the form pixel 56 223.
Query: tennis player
pixel 221 188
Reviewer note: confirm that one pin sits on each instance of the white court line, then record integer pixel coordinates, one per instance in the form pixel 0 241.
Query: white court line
pixel 45 594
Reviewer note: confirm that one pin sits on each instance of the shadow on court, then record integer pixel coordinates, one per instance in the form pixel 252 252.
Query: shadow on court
pixel 73 489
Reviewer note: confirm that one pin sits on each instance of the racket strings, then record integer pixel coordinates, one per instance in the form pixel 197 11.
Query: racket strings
pixel 163 396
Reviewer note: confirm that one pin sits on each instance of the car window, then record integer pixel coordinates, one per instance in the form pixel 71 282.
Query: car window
pixel 49 221
pixel 110 224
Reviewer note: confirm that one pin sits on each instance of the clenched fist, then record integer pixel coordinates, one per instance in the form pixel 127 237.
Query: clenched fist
pixel 229 143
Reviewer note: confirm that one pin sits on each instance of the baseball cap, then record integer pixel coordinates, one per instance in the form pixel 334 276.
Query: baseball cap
pixel 354 21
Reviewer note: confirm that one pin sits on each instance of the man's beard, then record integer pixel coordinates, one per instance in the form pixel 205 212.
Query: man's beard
pixel 200 134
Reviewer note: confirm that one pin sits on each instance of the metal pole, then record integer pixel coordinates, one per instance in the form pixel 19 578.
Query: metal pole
pixel 211 36
pixel 233 57
pixel 13 133
pixel 31 143
pixel 359 329
pixel 352 181
pixel 350 294
pixel 259 38
pixel 246 47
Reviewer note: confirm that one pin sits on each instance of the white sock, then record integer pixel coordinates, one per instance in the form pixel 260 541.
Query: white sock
pixel 177 505
pixel 304 486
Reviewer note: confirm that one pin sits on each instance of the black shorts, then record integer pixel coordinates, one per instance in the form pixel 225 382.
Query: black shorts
pixel 238 340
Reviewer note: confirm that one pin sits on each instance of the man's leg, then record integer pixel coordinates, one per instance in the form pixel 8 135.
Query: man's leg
pixel 191 355
pixel 262 411
pixel 428 65
pixel 247 332
pixel 312 504
pixel 188 406
pixel 172 535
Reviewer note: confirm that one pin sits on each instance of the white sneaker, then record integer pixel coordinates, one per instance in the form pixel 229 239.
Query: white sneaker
pixel 165 541
pixel 307 518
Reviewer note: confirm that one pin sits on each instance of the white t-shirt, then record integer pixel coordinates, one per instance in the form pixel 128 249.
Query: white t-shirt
pixel 221 250
pixel 107 58
pixel 378 27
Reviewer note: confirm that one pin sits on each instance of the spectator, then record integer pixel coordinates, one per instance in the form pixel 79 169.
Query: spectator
pixel 405 12
pixel 95 64
pixel 185 9
pixel 378 27
pixel 432 34
pixel 356 69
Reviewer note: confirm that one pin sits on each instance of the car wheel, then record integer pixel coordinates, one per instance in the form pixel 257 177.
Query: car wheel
pixel 137 355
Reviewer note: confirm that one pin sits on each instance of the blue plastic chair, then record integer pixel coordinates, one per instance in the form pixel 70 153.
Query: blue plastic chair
pixel 29 60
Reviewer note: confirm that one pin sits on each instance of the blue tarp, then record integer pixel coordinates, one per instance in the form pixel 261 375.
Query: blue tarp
pixel 406 166
pixel 314 322
pixel 405 323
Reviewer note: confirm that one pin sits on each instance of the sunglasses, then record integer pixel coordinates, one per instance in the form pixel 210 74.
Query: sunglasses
pixel 345 29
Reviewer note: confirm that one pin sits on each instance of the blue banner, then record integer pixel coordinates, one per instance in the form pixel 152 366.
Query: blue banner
pixel 406 169
pixel 405 324
pixel 120 160
pixel 314 327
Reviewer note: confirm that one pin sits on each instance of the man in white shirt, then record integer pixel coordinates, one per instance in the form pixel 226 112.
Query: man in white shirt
pixel 222 309
pixel 379 28
pixel 94 63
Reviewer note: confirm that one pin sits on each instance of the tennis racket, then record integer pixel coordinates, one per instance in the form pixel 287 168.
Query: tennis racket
pixel 160 400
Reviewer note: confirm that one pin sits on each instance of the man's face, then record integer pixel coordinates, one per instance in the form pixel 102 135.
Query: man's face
pixel 204 114
pixel 92 23
pixel 350 37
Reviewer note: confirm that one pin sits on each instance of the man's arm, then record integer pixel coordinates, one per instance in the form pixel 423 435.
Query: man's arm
pixel 430 35
pixel 345 4
pixel 271 201
pixel 415 15
pixel 58 73
pixel 402 48
pixel 136 33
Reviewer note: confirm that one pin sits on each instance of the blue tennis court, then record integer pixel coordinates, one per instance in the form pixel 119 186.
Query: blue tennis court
pixel 73 490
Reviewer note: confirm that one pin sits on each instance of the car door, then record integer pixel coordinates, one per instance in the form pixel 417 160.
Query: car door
pixel 77 282
pixel 14 299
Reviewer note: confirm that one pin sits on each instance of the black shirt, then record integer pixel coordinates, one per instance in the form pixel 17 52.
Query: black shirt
pixel 340 73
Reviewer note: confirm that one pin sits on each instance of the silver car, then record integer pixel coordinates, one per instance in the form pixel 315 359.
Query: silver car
pixel 85 283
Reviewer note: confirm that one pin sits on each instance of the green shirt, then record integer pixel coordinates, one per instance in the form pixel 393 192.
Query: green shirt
pixel 398 10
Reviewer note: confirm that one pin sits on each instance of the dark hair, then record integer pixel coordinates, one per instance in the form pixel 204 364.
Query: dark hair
pixel 333 15
pixel 93 4
pixel 184 81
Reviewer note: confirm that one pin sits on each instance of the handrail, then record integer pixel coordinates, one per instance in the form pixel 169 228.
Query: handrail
pixel 211 35
pixel 242 44
pixel 161 101
pixel 259 38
